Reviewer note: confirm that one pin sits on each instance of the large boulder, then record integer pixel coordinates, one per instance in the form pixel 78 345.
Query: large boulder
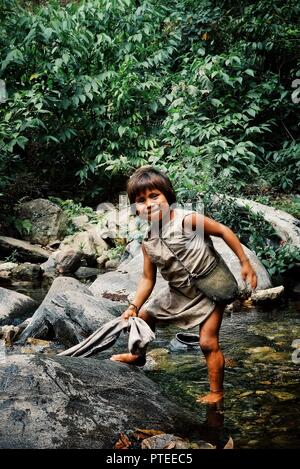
pixel 27 271
pixel 88 243
pixel 23 250
pixel 65 402
pixel 69 313
pixel 48 221
pixel 285 225
pixel 14 306
pixel 263 278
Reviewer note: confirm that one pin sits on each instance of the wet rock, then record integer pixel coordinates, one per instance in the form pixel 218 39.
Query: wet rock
pixel 25 251
pixel 14 306
pixel 230 362
pixel 260 350
pixel 156 359
pixel 283 396
pixel 48 221
pixel 267 354
pixel 79 403
pixel 270 294
pixel 278 331
pixel 69 313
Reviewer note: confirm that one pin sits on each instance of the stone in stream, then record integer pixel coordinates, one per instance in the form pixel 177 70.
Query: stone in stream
pixel 64 402
pixel 14 306
pixel 270 294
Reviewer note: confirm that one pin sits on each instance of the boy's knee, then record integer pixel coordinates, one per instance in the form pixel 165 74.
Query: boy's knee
pixel 143 314
pixel 150 320
pixel 209 344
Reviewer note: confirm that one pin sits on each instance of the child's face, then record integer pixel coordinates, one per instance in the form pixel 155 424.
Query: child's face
pixel 151 205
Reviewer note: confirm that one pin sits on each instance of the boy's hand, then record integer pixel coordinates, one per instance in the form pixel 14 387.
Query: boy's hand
pixel 128 312
pixel 248 273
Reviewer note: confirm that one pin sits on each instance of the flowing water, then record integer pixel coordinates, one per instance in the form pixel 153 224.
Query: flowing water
pixel 262 393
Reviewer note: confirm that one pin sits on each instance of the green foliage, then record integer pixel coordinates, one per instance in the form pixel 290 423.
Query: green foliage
pixel 117 251
pixel 287 203
pixel 257 234
pixel 98 88
pixel 279 261
pixel 13 256
pixel 23 226
pixel 73 209
pixel 203 90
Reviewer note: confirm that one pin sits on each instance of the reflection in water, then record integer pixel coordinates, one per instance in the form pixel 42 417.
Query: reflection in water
pixel 212 428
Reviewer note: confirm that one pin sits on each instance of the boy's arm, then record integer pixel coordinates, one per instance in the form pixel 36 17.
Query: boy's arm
pixel 145 285
pixel 196 221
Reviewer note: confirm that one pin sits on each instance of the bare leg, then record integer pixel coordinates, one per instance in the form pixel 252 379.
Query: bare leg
pixel 209 343
pixel 139 360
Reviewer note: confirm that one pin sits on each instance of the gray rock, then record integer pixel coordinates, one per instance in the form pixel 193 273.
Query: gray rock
pixel 263 278
pixel 79 403
pixel 270 294
pixel 25 251
pixel 102 259
pixel 27 271
pixel 164 441
pixel 89 243
pixel 69 313
pixel 50 264
pixel 48 221
pixel 6 269
pixel 14 306
pixel 285 225
pixel 80 221
pixel 86 272
pixel 112 263
pixel 68 261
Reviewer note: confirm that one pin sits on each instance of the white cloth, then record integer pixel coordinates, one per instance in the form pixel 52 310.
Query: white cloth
pixel 140 334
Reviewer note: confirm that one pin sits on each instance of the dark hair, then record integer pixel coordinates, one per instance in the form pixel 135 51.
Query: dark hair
pixel 148 177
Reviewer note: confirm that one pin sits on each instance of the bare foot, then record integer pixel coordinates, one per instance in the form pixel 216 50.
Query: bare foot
pixel 129 358
pixel 211 398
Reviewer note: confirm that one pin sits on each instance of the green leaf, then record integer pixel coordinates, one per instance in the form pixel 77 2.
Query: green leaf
pixel 250 72
pixel 122 130
pixel 216 102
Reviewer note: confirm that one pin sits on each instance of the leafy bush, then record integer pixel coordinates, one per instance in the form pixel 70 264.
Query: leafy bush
pixel 257 234
pixel 98 88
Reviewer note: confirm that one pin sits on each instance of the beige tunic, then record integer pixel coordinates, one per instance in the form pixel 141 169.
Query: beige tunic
pixel 182 304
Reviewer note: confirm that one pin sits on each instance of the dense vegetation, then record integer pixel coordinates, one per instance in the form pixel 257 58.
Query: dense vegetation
pixel 99 87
